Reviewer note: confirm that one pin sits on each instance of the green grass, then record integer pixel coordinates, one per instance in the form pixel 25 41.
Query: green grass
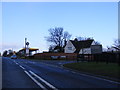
pixel 110 69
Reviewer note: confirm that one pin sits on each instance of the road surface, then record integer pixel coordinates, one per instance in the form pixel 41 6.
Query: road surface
pixel 21 73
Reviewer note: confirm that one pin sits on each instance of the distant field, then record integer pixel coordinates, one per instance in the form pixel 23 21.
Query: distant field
pixel 110 69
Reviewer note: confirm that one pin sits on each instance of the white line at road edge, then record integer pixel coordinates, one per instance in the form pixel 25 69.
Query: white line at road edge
pixel 17 63
pixel 51 86
pixel 39 84
pixel 22 67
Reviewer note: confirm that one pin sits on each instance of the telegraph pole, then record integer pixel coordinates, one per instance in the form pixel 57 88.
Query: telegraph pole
pixel 25 46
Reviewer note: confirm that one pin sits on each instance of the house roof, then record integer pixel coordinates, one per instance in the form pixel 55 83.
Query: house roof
pixel 81 44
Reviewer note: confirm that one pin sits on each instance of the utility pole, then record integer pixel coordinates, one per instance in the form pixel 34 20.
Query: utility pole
pixel 25 46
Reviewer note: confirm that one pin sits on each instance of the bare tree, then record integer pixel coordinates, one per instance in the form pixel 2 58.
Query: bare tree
pixel 80 38
pixel 84 38
pixel 116 45
pixel 10 52
pixel 5 53
pixel 97 43
pixel 57 36
pixel 51 48
pixel 66 37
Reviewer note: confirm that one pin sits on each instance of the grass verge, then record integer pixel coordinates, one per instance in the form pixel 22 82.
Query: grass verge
pixel 110 70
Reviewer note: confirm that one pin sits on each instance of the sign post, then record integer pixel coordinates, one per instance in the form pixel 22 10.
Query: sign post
pixel 26 48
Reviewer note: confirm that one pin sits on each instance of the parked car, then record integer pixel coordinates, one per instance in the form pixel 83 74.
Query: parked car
pixel 13 57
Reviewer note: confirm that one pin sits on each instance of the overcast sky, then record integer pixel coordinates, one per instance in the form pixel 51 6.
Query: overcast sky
pixel 32 20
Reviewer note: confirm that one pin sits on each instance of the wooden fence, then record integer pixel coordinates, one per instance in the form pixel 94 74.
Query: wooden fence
pixel 103 57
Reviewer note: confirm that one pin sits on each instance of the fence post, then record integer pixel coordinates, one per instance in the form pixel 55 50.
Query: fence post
pixel 118 55
pixel 77 57
pixel 107 57
pixel 96 57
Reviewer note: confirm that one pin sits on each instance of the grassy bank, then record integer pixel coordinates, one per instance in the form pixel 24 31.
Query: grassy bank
pixel 110 70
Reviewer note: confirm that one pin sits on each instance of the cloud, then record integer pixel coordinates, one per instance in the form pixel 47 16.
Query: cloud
pixel 9 46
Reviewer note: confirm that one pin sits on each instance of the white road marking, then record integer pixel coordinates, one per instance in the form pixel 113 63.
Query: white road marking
pixel 39 84
pixel 32 62
pixel 17 63
pixel 60 63
pixel 73 72
pixel 22 67
pixel 81 74
pixel 48 84
pixel 50 65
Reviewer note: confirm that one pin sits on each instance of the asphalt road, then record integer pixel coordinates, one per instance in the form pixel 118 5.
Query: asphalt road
pixel 21 73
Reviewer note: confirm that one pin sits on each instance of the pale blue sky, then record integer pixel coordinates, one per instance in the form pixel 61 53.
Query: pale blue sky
pixel 33 19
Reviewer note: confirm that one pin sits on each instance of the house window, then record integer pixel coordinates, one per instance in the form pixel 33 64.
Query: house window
pixel 69 48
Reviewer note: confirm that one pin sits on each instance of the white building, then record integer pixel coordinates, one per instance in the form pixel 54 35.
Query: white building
pixel 82 47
